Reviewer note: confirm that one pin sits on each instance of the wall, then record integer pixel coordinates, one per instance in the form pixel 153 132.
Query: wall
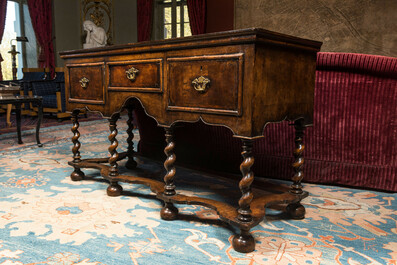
pixel 359 26
pixel 66 27
pixel 67 32
pixel 125 23
pixel 220 15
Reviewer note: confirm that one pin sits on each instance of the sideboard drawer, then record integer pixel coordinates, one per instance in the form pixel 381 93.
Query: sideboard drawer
pixel 206 84
pixel 86 83
pixel 138 75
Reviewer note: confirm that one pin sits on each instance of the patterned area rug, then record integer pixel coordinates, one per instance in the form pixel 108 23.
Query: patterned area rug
pixel 50 133
pixel 45 218
pixel 28 122
pixel 9 139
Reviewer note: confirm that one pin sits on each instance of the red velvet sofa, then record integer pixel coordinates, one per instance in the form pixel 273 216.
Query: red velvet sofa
pixel 353 140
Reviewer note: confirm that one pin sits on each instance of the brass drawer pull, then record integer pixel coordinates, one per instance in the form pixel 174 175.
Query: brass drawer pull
pixel 84 82
pixel 200 84
pixel 131 73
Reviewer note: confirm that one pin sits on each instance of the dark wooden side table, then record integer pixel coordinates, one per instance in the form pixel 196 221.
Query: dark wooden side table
pixel 17 101
pixel 6 90
pixel 241 79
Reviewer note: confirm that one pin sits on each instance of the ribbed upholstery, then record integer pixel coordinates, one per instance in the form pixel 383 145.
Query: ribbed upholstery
pixel 353 141
pixel 357 63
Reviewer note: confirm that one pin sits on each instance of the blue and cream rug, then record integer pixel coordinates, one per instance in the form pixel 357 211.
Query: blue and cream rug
pixel 45 218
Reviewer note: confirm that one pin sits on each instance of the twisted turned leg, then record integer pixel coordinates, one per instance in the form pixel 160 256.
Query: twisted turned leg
pixel 297 210
pixel 77 174
pixel 244 242
pixel 169 211
pixel 39 118
pixel 131 163
pixel 114 188
pixel 18 117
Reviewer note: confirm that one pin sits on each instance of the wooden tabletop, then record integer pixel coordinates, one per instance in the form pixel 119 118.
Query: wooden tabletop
pixel 9 89
pixel 10 98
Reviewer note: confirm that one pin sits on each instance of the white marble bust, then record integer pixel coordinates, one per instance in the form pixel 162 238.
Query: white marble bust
pixel 96 36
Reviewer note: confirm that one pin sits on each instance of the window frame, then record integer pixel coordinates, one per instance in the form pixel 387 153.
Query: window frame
pixel 20 30
pixel 159 21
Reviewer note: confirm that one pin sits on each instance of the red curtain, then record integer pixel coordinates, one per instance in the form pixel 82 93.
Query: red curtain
pixel 3 10
pixel 41 15
pixel 197 15
pixel 145 13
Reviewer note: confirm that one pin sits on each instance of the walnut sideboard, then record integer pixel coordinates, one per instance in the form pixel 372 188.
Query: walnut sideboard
pixel 241 79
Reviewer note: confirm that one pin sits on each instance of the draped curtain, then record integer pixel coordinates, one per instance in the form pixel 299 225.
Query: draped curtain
pixel 3 10
pixel 145 13
pixel 197 15
pixel 41 15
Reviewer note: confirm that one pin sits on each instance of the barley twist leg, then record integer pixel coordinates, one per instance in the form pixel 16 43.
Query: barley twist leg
pixel 77 174
pixel 297 210
pixel 244 242
pixel 114 188
pixel 131 163
pixel 245 183
pixel 169 211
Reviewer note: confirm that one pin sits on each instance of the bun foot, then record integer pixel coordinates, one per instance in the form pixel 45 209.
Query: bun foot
pixel 169 212
pixel 243 243
pixel 296 211
pixel 114 189
pixel 131 164
pixel 77 175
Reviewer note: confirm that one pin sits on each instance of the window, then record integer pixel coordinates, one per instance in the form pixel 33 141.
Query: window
pixel 18 23
pixel 171 19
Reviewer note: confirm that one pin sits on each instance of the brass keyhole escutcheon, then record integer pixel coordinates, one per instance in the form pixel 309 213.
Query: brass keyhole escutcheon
pixel 201 84
pixel 84 82
pixel 132 73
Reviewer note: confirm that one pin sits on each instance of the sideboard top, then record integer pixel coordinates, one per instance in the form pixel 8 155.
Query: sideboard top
pixel 233 37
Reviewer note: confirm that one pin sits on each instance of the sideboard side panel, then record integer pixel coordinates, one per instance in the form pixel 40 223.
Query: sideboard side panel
pixel 284 85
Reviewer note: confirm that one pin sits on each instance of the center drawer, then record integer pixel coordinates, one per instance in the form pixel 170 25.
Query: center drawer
pixel 206 84
pixel 136 75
